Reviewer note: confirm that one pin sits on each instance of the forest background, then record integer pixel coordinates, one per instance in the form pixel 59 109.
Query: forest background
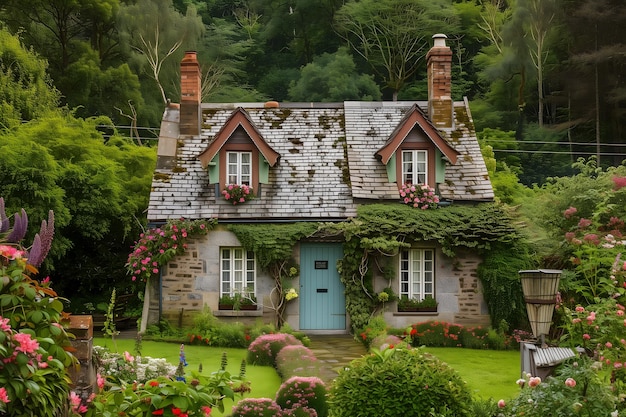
pixel 83 85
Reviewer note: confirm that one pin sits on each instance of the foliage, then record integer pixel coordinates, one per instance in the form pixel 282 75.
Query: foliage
pixel 117 368
pixel 303 392
pixel 420 196
pixel 271 243
pixel 297 360
pixel 333 78
pixel 577 389
pixel 427 302
pixel 256 407
pixel 264 349
pixel 158 246
pixel 392 36
pixel 26 91
pixel 165 396
pixel 238 194
pixel 33 342
pixel 380 231
pixel 400 381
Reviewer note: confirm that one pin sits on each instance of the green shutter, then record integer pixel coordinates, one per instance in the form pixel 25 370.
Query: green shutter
pixel 214 170
pixel 440 167
pixel 391 168
pixel 264 169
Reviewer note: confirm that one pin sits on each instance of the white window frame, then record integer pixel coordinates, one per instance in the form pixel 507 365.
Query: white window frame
pixel 415 165
pixel 237 272
pixel 417 273
pixel 239 171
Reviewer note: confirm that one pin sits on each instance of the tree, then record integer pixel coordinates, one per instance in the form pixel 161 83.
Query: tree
pixel 393 36
pixel 540 16
pixel 155 31
pixel 98 192
pixel 333 77
pixel 26 91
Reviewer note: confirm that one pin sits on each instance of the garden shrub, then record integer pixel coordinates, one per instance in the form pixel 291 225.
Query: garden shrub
pixel 376 326
pixel 577 389
pixel 257 407
pixel 264 349
pixel 475 338
pixel 301 392
pixel 116 367
pixel 299 412
pixel 297 360
pixel 384 341
pixel 399 382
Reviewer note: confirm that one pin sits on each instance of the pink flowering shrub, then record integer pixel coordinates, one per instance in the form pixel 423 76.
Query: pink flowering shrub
pixel 577 389
pixel 264 349
pixel 257 407
pixel 238 194
pixel 33 342
pixel 157 246
pixel 303 392
pixel 419 196
pixel 295 360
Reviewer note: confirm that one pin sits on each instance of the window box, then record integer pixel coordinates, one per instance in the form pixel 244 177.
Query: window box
pixel 237 302
pixel 428 304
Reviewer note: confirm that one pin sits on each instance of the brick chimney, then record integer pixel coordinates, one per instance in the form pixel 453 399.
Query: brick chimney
pixel 439 64
pixel 190 97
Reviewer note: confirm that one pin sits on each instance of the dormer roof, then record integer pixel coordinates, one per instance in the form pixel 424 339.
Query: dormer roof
pixel 415 117
pixel 238 118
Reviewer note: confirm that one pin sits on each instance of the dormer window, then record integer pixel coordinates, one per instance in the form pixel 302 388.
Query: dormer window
pixel 238 154
pixel 415 167
pixel 239 168
pixel 415 152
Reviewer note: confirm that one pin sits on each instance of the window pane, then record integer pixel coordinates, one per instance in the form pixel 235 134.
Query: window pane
pixel 238 274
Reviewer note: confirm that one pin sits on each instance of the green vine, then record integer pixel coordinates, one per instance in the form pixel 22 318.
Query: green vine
pixel 272 245
pixel 382 230
pixel 379 231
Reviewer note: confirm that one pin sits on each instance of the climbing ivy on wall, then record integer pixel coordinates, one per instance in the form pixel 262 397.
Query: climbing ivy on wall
pixel 272 243
pixel 381 230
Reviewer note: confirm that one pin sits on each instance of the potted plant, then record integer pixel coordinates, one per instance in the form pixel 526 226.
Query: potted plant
pixel 238 301
pixel 428 304
pixel 238 194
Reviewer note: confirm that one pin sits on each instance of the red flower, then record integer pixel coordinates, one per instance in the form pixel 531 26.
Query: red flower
pixel 413 332
pixel 158 412
pixel 154 383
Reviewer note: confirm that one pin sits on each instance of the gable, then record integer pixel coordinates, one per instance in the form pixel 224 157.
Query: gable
pixel 415 120
pixel 238 128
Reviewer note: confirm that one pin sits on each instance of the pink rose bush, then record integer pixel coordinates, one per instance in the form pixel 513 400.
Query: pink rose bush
pixel 157 246
pixel 419 196
pixel 238 194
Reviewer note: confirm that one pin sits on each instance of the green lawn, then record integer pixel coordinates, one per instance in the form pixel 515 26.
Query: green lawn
pixel 488 373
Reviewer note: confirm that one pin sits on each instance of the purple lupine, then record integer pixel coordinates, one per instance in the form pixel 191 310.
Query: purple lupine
pixel 34 254
pixel 46 232
pixel 4 220
pixel 20 224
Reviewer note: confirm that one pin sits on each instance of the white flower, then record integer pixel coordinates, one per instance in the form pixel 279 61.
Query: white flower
pixel 615 413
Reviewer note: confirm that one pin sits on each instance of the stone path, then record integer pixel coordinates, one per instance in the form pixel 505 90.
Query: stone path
pixel 335 352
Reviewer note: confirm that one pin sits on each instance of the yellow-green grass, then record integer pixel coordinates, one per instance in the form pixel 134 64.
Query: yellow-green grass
pixel 488 373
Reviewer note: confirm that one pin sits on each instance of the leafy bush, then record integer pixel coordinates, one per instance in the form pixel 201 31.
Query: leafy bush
pixel 576 390
pixel 396 382
pixel 384 341
pixel 164 396
pixel 264 349
pixel 303 392
pixel 297 360
pixel 33 359
pixel 257 407
pixel 299 412
pixel 376 326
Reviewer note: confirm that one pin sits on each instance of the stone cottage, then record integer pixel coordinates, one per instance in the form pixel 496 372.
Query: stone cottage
pixel 312 162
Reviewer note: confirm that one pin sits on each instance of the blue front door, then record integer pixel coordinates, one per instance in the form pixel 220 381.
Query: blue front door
pixel 322 298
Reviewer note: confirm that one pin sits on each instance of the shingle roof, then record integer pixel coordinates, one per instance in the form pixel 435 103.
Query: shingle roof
pixel 327 162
